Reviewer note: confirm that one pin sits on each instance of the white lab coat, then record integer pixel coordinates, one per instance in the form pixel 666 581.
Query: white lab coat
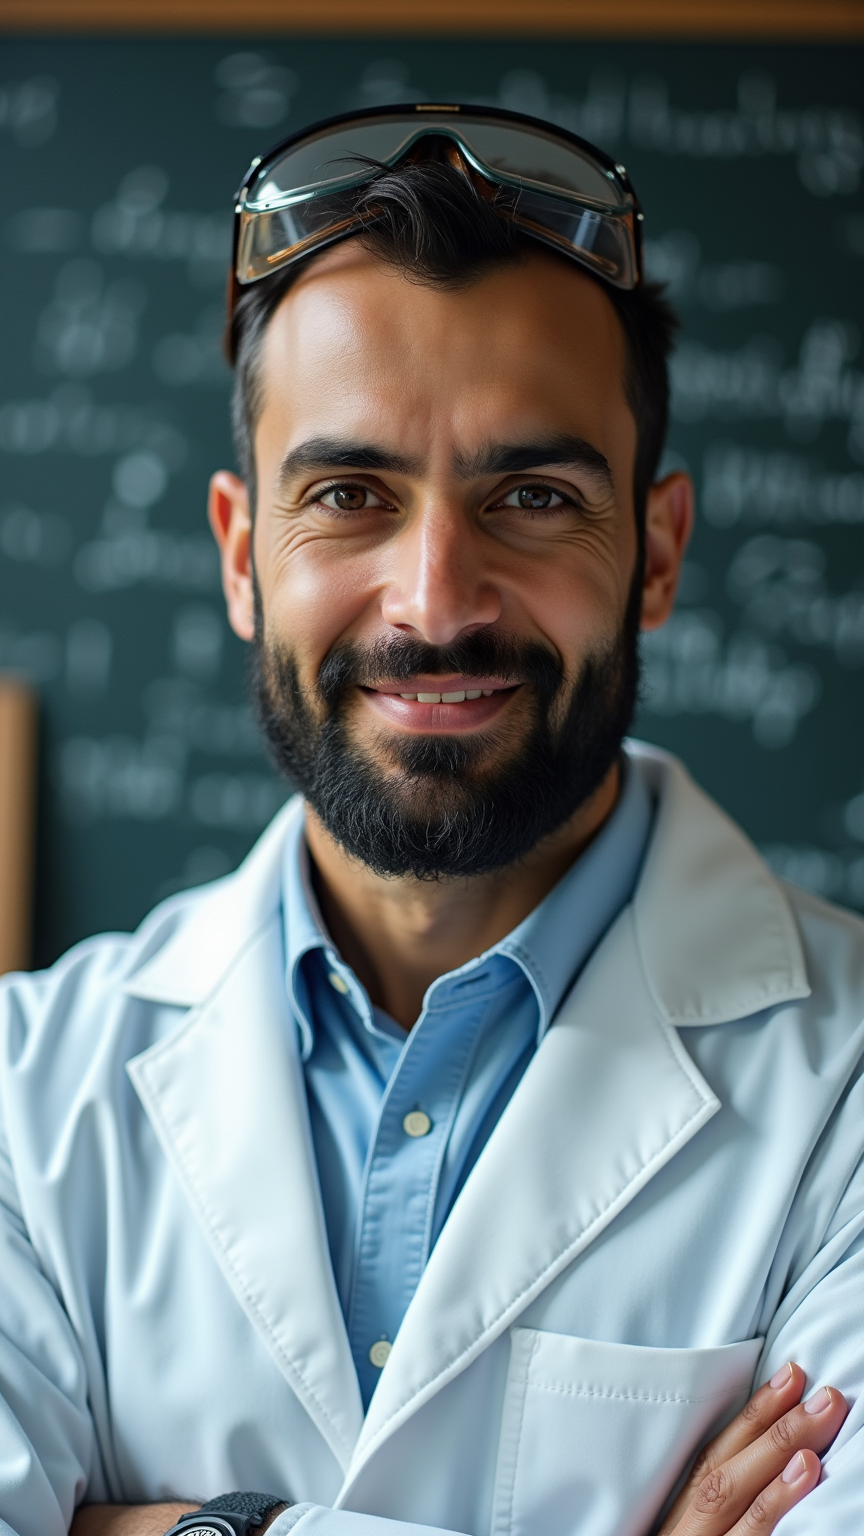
pixel 672 1201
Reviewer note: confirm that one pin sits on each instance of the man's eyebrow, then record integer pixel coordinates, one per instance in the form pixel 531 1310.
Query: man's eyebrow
pixel 327 453
pixel 334 453
pixel 512 458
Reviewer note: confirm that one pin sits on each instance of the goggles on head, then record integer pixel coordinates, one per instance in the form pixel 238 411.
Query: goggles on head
pixel 554 186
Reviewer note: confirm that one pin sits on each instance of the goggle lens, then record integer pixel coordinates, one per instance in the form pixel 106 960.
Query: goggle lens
pixel 302 198
pixel 331 159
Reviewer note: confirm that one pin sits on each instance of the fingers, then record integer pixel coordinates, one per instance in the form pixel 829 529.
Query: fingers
pixel 799 1477
pixel 765 1407
pixel 809 1427
pixel 737 1489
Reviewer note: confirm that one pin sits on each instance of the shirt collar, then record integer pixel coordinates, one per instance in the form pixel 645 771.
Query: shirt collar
pixel 305 929
pixel 554 941
pixel 550 945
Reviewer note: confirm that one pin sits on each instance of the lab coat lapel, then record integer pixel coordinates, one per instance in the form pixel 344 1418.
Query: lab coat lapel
pixel 225 1095
pixel 608 1099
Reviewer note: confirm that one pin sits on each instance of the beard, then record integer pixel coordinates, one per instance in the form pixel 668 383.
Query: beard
pixel 449 806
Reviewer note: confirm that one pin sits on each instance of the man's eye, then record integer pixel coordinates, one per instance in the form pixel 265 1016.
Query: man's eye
pixel 534 498
pixel 346 498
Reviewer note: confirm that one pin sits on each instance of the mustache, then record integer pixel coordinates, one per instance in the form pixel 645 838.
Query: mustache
pixel 397 658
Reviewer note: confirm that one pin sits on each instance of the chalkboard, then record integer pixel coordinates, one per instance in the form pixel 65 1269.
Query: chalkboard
pixel 119 161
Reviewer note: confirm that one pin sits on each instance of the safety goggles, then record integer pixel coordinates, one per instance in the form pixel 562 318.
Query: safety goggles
pixel 556 187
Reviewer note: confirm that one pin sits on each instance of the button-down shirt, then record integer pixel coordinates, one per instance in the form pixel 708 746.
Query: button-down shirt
pixel 398 1120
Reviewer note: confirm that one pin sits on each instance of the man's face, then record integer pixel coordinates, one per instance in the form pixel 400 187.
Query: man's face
pixel 445 549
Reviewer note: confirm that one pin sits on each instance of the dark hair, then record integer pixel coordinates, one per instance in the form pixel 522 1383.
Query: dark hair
pixel 428 220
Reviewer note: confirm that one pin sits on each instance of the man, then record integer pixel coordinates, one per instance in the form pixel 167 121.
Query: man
pixel 463 1159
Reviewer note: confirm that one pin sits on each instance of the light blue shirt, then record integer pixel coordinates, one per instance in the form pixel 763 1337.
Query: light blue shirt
pixel 372 1088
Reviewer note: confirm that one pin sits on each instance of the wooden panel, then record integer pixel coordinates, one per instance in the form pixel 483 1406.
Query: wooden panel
pixel 632 18
pixel 17 806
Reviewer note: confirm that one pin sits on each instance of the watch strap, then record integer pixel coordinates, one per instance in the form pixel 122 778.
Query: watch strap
pixel 251 1505
pixel 231 1514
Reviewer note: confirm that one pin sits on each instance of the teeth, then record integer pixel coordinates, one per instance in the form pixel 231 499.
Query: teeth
pixel 458 697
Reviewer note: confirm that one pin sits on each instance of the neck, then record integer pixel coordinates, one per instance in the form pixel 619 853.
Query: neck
pixel 399 935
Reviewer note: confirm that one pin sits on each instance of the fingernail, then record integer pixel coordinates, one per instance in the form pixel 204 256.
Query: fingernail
pixel 818 1402
pixel 795 1469
pixel 781 1377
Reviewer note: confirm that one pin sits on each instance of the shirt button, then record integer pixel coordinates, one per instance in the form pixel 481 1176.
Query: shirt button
pixel 417 1123
pixel 337 982
pixel 379 1353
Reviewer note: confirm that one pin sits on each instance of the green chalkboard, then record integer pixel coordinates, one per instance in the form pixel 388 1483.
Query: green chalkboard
pixel 119 159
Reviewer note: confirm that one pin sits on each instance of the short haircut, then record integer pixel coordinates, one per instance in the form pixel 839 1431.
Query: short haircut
pixel 427 220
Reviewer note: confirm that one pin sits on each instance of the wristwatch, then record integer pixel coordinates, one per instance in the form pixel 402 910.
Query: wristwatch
pixel 232 1514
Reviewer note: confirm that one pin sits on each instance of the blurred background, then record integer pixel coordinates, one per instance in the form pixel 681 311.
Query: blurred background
pixel 124 129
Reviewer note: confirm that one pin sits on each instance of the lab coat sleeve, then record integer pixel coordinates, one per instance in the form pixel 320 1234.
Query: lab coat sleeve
pixel 819 1324
pixel 46 1432
pixel 315 1520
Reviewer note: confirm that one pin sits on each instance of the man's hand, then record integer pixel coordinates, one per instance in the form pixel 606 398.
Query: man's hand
pixel 761 1464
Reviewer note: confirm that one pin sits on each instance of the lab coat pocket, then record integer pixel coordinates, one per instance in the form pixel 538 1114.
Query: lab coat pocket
pixel 594 1436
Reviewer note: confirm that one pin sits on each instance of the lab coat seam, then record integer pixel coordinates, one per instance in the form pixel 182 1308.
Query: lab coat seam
pixel 511 1502
pixel 684 1062
pixel 577 1389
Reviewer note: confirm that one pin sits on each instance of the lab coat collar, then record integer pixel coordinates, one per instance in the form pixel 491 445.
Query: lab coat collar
pixel 703 894
pixel 210 928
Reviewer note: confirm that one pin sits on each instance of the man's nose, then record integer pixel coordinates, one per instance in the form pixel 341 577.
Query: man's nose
pixel 441 582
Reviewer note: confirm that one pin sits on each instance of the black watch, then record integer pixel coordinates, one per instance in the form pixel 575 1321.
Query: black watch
pixel 232 1514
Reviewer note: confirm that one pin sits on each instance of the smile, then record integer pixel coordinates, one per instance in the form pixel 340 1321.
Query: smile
pixel 456 704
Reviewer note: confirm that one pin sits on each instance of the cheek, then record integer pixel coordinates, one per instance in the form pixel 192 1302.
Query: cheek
pixel 312 598
pixel 577 606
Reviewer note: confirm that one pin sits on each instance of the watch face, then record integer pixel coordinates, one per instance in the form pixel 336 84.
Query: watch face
pixel 203 1530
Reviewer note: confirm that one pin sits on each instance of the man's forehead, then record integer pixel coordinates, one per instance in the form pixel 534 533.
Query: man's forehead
pixel 347 292
pixel 530 351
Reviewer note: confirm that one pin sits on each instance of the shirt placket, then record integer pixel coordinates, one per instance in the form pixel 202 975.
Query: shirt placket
pixel 401 1176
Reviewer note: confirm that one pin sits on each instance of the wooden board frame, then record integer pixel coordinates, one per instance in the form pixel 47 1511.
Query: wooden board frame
pixel 18 769
pixel 751 20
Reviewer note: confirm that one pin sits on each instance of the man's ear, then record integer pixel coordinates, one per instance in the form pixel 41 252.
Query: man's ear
pixel 231 521
pixel 668 525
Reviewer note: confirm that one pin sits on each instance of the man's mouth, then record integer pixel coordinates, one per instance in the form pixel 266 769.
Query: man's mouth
pixel 440 704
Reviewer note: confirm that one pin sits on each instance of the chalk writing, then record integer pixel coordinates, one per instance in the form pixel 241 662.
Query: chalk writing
pixel 753 383
pixel 750 485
